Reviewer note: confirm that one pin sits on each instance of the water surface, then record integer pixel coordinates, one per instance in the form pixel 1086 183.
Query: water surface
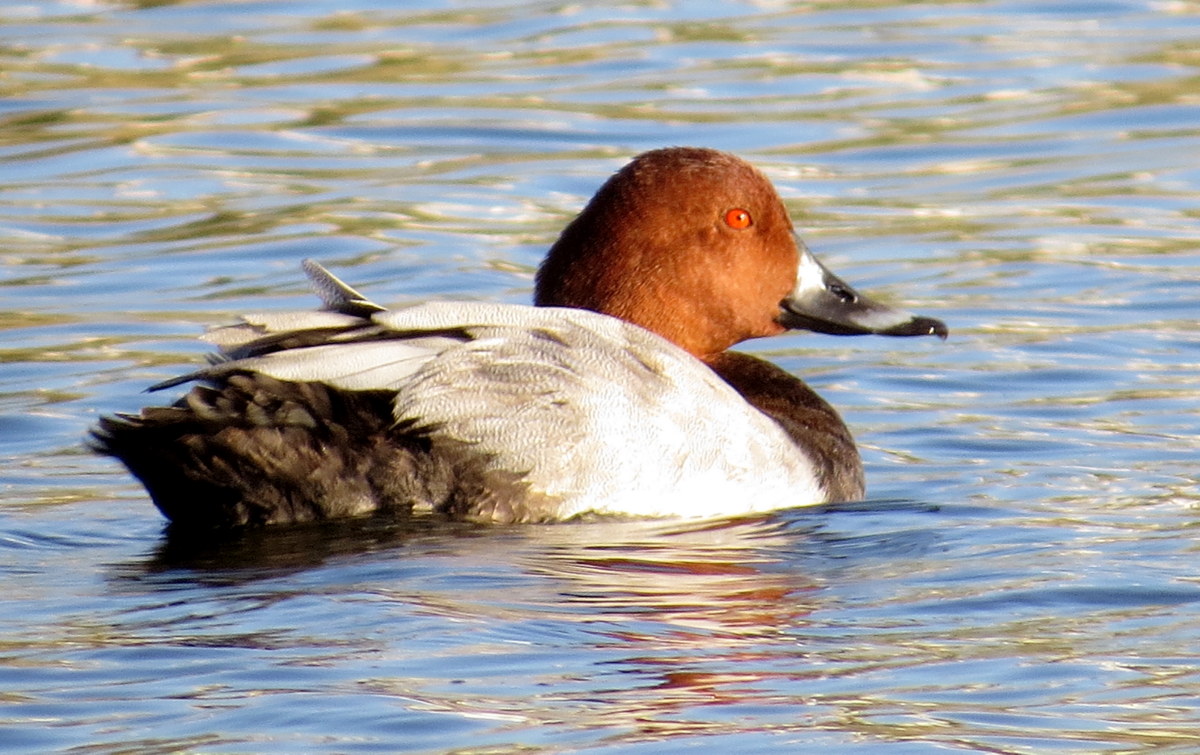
pixel 1023 577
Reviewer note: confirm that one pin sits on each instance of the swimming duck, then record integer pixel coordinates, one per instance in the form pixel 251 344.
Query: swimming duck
pixel 616 394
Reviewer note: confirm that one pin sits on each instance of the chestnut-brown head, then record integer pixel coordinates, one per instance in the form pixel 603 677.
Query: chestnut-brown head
pixel 693 244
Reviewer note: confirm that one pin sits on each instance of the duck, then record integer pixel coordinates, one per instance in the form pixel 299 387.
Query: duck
pixel 616 394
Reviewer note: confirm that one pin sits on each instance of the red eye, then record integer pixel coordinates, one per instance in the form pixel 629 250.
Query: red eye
pixel 737 219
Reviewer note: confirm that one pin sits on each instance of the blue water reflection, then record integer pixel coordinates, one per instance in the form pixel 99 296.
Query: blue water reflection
pixel 1022 578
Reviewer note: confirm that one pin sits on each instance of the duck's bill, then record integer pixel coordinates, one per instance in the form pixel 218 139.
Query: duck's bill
pixel 823 303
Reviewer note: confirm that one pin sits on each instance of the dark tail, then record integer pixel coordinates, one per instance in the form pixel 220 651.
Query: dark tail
pixel 255 450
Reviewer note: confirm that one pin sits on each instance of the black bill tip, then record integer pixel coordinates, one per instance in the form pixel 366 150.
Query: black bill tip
pixel 919 326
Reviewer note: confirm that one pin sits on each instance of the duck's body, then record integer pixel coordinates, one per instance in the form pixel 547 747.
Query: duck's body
pixel 513 413
pixel 488 411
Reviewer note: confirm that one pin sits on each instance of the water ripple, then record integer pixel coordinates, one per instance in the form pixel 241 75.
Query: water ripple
pixel 1021 580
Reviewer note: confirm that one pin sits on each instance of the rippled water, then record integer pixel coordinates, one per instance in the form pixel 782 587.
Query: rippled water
pixel 1024 578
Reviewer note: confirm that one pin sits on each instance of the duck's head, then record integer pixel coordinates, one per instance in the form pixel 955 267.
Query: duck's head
pixel 696 245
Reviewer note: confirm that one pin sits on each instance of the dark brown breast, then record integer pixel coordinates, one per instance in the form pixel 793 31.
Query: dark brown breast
pixel 813 425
